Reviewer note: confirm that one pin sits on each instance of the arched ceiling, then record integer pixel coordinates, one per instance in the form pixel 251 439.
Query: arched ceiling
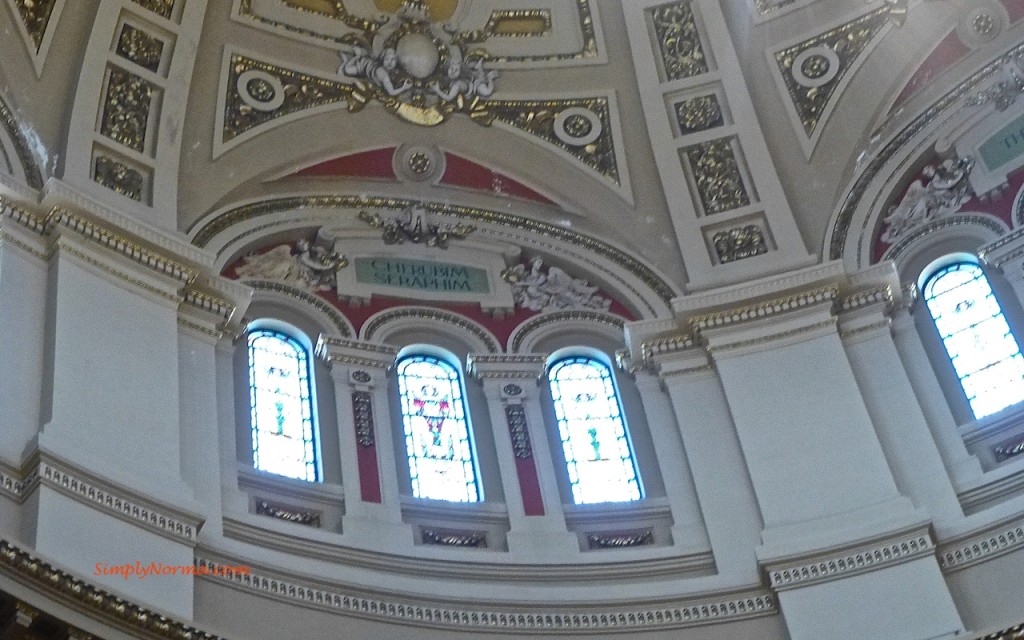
pixel 266 96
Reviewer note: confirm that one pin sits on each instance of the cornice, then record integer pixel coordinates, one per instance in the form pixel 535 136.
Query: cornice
pixel 981 547
pixel 827 294
pixel 360 353
pixel 18 484
pixel 835 566
pixel 119 501
pixel 576 570
pixel 726 607
pixel 93 601
pixel 526 367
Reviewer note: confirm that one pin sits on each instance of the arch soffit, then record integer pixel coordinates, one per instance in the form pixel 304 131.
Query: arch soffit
pixel 17 148
pixel 526 337
pixel 381 326
pixel 853 222
pixel 327 317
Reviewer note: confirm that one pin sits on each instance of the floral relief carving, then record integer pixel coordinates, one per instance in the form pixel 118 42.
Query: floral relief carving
pixel 126 109
pixel 678 40
pixel 739 243
pixel 717 174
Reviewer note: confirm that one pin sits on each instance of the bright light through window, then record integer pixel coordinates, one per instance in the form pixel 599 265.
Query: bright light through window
pixel 984 353
pixel 593 433
pixel 281 406
pixel 436 430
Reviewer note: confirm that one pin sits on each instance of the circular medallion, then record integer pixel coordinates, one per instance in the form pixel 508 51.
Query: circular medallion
pixel 982 23
pixel 816 67
pixel 420 163
pixel 578 126
pixel 260 90
pixel 418 55
pixel 512 389
pixel 361 376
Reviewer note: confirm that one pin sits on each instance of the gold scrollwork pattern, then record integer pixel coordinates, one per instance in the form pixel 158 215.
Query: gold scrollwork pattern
pixel 163 8
pixel 474 539
pixel 766 7
pixel 699 114
pixel 35 14
pixel 140 47
pixel 739 243
pixel 285 92
pixel 678 40
pixel 126 109
pixel 519 22
pixel 586 134
pixel 620 540
pixel 515 416
pixel 297 515
pixel 118 177
pixel 813 69
pixel 336 11
pixel 362 414
pixel 717 175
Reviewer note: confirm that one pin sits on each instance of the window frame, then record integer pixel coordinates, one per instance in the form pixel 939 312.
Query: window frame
pixel 928 276
pixel 301 343
pixel 601 361
pixel 444 359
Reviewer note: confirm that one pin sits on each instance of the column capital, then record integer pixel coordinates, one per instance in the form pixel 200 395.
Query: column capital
pixel 361 360
pixel 507 368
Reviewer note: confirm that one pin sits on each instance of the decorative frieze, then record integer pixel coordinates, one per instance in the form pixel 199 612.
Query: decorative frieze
pixel 452 538
pixel 414 225
pixel 137 46
pixel 515 416
pixel 18 485
pixel 30 570
pixel 726 608
pixel 121 504
pixel 766 308
pixel 118 177
pixel 362 414
pixel 678 40
pixel 981 548
pixel 126 109
pixel 739 243
pixel 297 515
pixel 717 175
pixel 1008 449
pixel 620 539
pixel 868 297
pixel 699 113
pixel 852 562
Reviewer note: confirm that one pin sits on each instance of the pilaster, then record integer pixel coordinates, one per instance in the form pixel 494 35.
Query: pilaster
pixel 373 507
pixel 536 518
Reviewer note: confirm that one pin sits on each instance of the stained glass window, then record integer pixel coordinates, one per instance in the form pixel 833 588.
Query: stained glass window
pixel 984 353
pixel 281 406
pixel 593 432
pixel 436 430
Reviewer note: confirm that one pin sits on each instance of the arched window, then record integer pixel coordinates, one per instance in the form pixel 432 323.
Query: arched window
pixel 984 353
pixel 280 397
pixel 593 432
pixel 437 435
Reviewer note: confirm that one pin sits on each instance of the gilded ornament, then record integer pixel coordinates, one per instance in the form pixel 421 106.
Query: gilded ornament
pixel 288 513
pixel 362 414
pixel 675 28
pixel 519 22
pixel 579 126
pixel 420 163
pixel 620 540
pixel 766 7
pixel 515 416
pixel 412 225
pixel 1008 86
pixel 420 71
pixel 163 8
pixel 140 47
pixel 118 177
pixel 717 175
pixel 362 377
pixel 739 243
pixel 249 102
pixel 1008 449
pixel 126 109
pixel 512 389
pixel 35 14
pixel 699 114
pixel 449 538
pixel 524 22
pixel 813 69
